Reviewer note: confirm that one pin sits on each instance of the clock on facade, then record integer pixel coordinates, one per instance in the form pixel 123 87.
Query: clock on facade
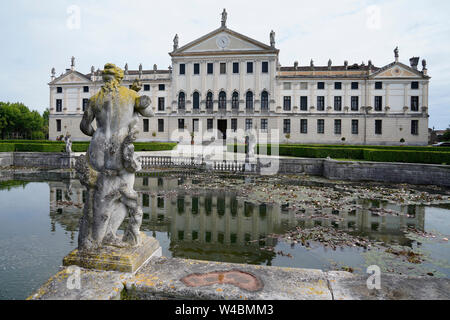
pixel 223 41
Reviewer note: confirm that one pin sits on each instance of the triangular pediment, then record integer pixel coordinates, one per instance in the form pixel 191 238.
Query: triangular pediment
pixel 397 70
pixel 71 76
pixel 223 40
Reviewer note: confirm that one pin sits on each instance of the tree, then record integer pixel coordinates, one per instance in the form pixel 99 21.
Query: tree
pixel 17 121
pixel 446 135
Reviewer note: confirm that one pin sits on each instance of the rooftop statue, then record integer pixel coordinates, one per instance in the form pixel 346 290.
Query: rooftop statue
pixel 108 169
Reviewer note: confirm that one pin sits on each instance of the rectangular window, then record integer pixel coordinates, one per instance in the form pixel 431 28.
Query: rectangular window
pixel 378 85
pixel 209 124
pixel 85 104
pixel 145 200
pixel 58 89
pixel 304 103
pixel 355 128
pixel 320 85
pixel 303 85
pixel 223 68
pixel 337 85
pixel 355 85
pixel 286 126
pixel 58 125
pixel 145 125
pixel 337 126
pixel 146 87
pixel 182 68
pixel 160 125
pixel 286 86
pixel 338 103
pixel 248 124
pixel 287 103
pixel 85 89
pixel 354 103
pixel 415 127
pixel 265 67
pixel 234 125
pixel 58 105
pixel 195 125
pixel 161 87
pixel 414 103
pixel 181 124
pixel 378 103
pixel 303 126
pixel 249 67
pixel 320 103
pixel 264 125
pixel 235 67
pixel 210 68
pixel 320 126
pixel 414 85
pixel 196 68
pixel 378 126
pixel 161 104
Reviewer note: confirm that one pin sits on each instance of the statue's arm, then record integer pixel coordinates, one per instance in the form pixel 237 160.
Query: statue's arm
pixel 143 106
pixel 86 122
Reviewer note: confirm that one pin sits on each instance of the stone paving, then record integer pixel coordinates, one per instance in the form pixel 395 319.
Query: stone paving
pixel 162 278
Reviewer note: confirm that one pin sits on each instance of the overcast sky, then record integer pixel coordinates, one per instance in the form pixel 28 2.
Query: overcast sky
pixel 39 35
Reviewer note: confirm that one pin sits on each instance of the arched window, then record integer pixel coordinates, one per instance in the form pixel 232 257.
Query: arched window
pixel 181 101
pixel 249 100
pixel 196 100
pixel 209 100
pixel 222 100
pixel 235 101
pixel 264 100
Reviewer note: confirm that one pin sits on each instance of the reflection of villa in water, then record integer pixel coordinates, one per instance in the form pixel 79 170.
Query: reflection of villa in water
pixel 218 226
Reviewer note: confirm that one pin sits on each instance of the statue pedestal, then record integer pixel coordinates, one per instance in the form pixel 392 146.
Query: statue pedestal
pixel 111 258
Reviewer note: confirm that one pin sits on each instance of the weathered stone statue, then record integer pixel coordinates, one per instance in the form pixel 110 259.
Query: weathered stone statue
pixel 68 142
pixel 224 18
pixel 175 42
pixel 272 38
pixel 108 170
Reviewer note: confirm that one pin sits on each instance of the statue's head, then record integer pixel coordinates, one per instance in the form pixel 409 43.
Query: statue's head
pixel 112 72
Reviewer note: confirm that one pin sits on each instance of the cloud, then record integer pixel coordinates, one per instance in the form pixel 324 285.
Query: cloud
pixel 35 37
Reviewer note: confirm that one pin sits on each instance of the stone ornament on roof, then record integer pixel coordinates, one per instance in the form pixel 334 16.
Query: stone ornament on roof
pixel 396 55
pixel 72 62
pixel 175 42
pixel 224 18
pixel 272 39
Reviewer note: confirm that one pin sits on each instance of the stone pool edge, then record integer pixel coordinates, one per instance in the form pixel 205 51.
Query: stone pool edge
pixel 161 279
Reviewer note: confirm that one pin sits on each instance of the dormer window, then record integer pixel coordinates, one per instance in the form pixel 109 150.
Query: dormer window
pixel 378 85
pixel 58 89
pixel 414 85
pixel 85 89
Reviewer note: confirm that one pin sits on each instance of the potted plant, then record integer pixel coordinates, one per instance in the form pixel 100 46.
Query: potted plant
pixel 192 137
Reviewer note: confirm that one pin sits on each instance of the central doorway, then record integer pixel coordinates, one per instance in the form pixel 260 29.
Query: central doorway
pixel 222 128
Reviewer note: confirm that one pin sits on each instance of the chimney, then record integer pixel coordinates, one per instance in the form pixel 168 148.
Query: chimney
pixel 414 61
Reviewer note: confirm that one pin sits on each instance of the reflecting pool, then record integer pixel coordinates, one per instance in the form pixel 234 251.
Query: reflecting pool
pixel 280 221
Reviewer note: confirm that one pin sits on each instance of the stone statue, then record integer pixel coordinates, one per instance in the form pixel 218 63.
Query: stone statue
pixel 53 72
pixel 92 70
pixel 126 68
pixel 424 63
pixel 272 38
pixel 72 64
pixel 329 64
pixel 224 18
pixel 175 42
pixel 108 169
pixel 155 67
pixel 251 143
pixel 396 53
pixel 311 63
pixel 68 142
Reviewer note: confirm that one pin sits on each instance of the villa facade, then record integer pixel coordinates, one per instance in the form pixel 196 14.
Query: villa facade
pixel 224 82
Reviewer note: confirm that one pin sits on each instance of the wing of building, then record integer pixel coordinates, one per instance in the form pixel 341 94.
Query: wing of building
pixel 225 81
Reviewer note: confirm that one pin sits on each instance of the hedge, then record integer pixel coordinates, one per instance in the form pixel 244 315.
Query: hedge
pixel 407 156
pixel 423 155
pixel 77 146
pixel 6 147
